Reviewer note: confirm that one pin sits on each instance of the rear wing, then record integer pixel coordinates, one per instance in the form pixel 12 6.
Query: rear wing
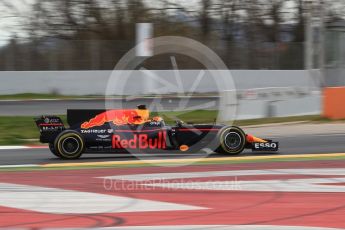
pixel 49 123
pixel 49 126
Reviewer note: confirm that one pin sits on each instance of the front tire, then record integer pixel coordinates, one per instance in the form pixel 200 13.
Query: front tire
pixel 232 140
pixel 69 145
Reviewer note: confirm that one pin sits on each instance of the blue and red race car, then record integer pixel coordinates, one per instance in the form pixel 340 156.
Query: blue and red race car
pixel 132 130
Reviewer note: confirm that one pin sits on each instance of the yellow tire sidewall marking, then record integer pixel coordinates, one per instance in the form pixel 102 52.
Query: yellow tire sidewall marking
pixel 69 135
pixel 222 139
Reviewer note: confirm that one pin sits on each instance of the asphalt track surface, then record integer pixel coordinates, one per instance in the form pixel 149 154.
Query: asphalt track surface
pixel 58 107
pixel 300 144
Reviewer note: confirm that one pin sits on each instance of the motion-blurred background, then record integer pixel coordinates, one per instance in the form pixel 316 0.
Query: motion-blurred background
pixel 285 56
pixel 95 34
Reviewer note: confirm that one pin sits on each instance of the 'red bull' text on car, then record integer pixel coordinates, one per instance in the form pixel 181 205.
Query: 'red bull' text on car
pixel 132 130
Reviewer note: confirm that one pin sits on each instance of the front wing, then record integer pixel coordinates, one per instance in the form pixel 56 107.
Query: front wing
pixel 258 144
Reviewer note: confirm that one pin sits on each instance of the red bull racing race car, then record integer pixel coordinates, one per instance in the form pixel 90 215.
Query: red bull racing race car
pixel 133 131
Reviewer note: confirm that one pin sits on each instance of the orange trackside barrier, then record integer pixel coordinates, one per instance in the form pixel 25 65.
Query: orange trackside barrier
pixel 334 102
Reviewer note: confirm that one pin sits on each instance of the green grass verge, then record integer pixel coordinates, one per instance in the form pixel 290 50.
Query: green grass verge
pixel 208 116
pixel 198 116
pixel 22 130
pixel 29 96
pixel 272 120
pixel 18 130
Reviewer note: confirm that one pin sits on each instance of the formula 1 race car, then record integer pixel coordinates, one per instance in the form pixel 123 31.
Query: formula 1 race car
pixel 132 130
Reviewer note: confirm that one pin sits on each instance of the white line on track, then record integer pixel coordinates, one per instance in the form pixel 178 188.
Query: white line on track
pixel 13 147
pixel 286 185
pixel 189 175
pixel 19 147
pixel 61 201
pixel 281 185
pixel 19 166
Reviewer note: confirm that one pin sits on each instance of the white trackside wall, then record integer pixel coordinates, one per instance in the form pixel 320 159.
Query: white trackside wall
pixel 260 93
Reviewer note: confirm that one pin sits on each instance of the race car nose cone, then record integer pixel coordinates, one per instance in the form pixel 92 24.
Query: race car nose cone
pixel 251 139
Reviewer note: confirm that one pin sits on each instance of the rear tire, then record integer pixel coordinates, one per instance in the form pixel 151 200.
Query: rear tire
pixel 52 150
pixel 232 140
pixel 69 145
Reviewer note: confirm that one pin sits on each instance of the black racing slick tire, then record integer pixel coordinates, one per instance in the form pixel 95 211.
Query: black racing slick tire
pixel 232 140
pixel 69 145
pixel 53 150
